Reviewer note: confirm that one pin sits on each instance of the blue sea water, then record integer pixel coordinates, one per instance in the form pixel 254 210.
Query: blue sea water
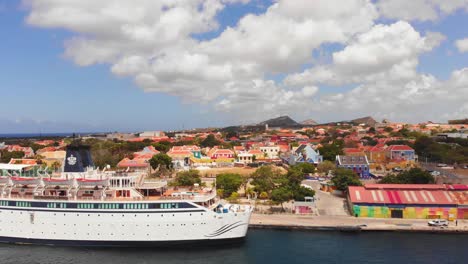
pixel 267 246
pixel 39 135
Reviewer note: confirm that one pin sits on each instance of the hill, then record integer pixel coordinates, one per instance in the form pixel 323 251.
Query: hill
pixel 309 122
pixel 368 120
pixel 282 121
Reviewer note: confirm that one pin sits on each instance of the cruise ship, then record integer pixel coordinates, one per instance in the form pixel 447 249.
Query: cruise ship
pixel 87 207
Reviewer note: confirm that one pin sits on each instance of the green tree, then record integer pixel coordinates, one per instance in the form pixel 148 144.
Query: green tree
pixel 187 178
pixel 263 195
pixel 56 165
pixel 330 151
pixel 305 167
pixel 210 141
pixel 388 129
pixel 6 156
pixel 163 146
pixel 234 197
pixel 294 176
pixel 229 183
pixel 342 178
pixel 301 192
pixel 412 176
pixel 326 166
pixel 161 159
pixel 264 179
pixel 281 195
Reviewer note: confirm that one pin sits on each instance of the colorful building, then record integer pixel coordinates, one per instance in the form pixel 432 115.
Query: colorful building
pixel 400 152
pixel 376 154
pixel 358 164
pixel 419 201
pixel 459 193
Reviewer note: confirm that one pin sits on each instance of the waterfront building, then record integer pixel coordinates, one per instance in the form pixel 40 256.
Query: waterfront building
pixel 358 164
pixel 459 193
pixel 421 201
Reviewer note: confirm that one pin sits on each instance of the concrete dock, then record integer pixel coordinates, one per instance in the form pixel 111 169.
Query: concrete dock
pixel 351 224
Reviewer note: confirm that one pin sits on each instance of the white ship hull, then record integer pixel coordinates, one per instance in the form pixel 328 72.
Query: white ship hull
pixel 118 227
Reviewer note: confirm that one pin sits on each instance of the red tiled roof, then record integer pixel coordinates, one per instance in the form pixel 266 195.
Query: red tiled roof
pixel 134 163
pixel 399 148
pixel 255 152
pixel 23 161
pixel 225 151
pixel 352 150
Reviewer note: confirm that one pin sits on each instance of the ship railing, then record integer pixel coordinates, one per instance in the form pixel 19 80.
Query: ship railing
pixel 51 197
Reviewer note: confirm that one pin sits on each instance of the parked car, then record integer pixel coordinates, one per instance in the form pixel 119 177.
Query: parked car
pixel 438 222
pixel 397 169
pixel 442 165
pixel 435 173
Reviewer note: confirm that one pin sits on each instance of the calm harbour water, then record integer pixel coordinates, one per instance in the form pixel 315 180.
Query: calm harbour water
pixel 266 246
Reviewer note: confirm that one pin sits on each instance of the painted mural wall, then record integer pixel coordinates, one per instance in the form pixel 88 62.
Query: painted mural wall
pixel 407 212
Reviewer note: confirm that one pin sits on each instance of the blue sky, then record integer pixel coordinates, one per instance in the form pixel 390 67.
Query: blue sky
pixel 42 90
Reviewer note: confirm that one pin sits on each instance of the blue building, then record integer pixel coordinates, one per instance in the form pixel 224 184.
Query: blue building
pixel 304 153
pixel 358 164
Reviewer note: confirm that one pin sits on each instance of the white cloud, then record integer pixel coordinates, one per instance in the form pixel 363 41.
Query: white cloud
pixel 385 52
pixel 153 42
pixel 422 10
pixel 462 45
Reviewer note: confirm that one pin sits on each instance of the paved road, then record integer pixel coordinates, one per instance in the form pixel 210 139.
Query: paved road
pixel 327 203
pixel 443 172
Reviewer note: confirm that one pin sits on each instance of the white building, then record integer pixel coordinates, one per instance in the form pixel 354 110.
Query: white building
pixel 151 134
pixel 272 152
pixel 245 157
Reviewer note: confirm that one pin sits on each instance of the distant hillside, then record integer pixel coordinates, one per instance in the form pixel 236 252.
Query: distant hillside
pixel 309 122
pixel 368 120
pixel 282 121
pixel 458 122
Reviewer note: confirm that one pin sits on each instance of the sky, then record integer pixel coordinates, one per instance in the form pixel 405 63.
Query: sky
pixel 109 65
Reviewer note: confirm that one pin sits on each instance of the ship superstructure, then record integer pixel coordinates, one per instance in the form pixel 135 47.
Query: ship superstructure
pixel 104 208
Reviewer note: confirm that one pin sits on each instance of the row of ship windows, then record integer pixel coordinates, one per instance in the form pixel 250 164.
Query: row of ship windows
pixel 123 225
pixel 98 205
pixel 123 215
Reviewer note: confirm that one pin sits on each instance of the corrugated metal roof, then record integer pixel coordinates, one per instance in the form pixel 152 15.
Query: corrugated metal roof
pixel 406 186
pixel 400 196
